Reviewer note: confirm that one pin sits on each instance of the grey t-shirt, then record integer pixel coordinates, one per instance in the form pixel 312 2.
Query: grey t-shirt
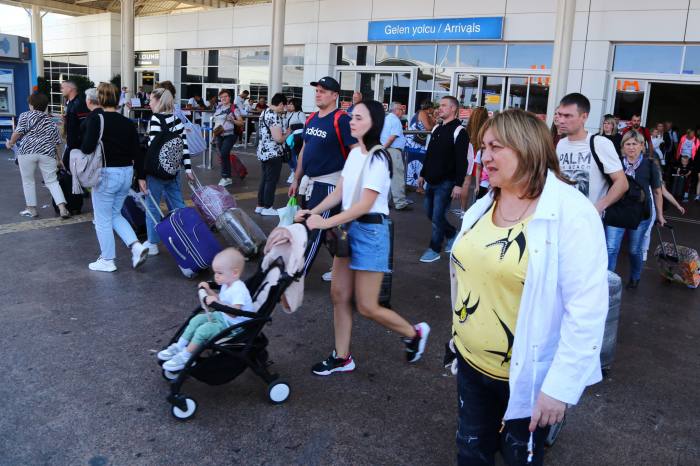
pixel 577 164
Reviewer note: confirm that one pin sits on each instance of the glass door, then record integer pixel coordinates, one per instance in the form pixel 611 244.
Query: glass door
pixel 492 88
pixel 468 90
pixel 385 86
pixel 517 94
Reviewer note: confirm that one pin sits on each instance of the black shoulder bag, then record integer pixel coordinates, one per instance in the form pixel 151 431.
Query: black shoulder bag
pixel 630 210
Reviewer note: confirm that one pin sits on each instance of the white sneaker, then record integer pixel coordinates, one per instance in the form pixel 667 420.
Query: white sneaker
pixel 102 265
pixel 225 182
pixel 258 210
pixel 139 253
pixel 328 276
pixel 290 179
pixel 269 212
pixel 168 353
pixel 152 248
pixel 177 362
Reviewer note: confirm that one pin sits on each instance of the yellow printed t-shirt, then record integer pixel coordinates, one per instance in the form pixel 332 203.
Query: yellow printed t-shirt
pixel 490 263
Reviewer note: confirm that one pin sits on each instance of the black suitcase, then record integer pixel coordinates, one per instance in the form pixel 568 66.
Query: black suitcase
pixel 74 202
pixel 385 290
pixel 678 186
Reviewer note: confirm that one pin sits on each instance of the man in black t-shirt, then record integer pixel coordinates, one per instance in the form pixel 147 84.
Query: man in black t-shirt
pixel 442 175
pixel 75 112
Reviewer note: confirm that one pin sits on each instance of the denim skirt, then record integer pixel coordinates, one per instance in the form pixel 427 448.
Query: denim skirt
pixel 369 246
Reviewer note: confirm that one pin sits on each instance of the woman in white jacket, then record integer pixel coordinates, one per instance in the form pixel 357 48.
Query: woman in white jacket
pixel 530 295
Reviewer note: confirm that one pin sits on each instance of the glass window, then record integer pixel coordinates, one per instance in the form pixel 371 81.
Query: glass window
pixel 425 79
pixel 359 55
pixel 467 89
pixel 629 97
pixel 530 56
pixel 447 56
pixel 293 55
pixel 79 60
pixel 648 58
pixel 692 60
pixel 482 56
pixel 192 74
pixel 539 93
pixel 212 58
pixel 254 56
pixel 405 55
pixel 192 57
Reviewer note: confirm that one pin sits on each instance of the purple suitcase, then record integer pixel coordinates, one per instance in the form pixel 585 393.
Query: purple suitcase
pixel 189 240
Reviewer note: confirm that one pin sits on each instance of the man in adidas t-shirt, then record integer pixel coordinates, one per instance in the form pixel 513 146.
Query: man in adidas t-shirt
pixel 327 141
pixel 577 162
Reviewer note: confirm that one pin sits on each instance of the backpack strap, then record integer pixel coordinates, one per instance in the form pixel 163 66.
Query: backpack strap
pixel 336 124
pixel 309 118
pixel 457 131
pixel 598 162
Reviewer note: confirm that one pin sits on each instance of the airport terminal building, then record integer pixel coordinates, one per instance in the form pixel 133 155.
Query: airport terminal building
pixel 627 56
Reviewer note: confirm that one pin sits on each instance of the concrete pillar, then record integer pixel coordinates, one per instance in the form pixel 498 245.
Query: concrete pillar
pixel 127 42
pixel 38 39
pixel 277 47
pixel 563 33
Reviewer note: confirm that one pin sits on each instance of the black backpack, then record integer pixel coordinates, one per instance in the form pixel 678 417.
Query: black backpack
pixel 165 152
pixel 632 208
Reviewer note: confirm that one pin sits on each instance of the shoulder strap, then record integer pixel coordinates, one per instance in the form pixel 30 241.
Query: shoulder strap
pixel 598 162
pixel 336 124
pixel 358 186
pixel 456 133
pixel 310 117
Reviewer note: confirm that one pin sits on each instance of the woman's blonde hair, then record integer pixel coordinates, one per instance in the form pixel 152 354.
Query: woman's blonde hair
pixel 609 119
pixel 107 95
pixel 530 139
pixel 162 101
pixel 632 134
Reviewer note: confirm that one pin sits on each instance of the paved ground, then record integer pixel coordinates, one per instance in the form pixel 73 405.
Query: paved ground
pixel 81 387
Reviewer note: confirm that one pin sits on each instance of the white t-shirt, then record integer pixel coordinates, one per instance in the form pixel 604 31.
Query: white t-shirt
pixel 236 295
pixel 375 177
pixel 577 164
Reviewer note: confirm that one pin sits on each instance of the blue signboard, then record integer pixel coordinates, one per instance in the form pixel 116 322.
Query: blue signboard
pixel 490 28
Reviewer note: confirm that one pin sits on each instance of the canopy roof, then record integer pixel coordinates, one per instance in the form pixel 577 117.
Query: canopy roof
pixel 142 7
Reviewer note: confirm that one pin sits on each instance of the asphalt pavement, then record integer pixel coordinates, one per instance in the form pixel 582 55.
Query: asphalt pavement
pixel 80 384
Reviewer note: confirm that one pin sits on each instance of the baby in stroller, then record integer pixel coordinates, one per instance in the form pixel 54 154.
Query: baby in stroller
pixel 228 267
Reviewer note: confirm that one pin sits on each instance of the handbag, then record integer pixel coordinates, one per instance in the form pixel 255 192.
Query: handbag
pixel 337 239
pixel 87 168
pixel 193 133
pixel 630 210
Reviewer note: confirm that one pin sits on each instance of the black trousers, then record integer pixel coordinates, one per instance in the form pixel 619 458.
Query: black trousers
pixel 268 181
pixel 482 402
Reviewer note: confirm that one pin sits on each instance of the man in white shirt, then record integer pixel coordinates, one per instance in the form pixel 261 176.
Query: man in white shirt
pixel 576 160
pixel 240 102
pixel 393 140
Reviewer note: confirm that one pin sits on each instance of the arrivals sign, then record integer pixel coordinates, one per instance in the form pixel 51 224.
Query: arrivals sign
pixel 489 28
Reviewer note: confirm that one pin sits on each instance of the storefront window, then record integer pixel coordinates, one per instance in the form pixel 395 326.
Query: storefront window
pixel 530 56
pixel 405 55
pixel 692 60
pixel 648 58
pixel 357 55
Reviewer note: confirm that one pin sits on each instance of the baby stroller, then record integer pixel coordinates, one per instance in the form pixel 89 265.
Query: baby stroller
pixel 232 351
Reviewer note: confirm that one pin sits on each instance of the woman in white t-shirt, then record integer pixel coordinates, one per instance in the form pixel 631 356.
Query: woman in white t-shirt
pixel 365 214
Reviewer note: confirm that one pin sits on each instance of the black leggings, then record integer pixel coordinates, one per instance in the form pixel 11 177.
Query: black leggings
pixel 268 181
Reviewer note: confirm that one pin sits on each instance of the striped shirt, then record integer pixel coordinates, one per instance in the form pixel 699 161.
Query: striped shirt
pixel 39 133
pixel 176 127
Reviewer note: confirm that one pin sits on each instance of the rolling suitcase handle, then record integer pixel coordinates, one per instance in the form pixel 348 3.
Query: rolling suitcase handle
pixel 675 245
pixel 148 211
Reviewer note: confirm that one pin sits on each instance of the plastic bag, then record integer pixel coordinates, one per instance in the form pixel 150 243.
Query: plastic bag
pixel 288 212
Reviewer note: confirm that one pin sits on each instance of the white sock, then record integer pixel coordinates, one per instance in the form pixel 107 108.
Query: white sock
pixel 182 344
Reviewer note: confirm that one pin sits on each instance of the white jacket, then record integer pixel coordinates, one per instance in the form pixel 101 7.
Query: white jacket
pixel 559 331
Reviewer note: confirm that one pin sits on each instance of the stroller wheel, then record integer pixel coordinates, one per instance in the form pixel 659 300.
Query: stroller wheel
pixel 278 392
pixel 169 376
pixel 181 415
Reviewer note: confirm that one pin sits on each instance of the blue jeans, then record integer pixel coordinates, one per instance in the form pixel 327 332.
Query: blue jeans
pixel 225 144
pixel 482 402
pixel 173 199
pixel 613 238
pixel 107 201
pixel 437 200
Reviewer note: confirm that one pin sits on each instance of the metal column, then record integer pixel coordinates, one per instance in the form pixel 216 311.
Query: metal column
pixel 38 39
pixel 277 46
pixel 127 40
pixel 563 34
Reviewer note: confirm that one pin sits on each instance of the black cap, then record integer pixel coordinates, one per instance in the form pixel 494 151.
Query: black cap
pixel 327 83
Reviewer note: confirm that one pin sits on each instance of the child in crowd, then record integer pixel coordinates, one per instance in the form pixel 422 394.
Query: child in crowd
pixel 227 266
pixel 681 179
